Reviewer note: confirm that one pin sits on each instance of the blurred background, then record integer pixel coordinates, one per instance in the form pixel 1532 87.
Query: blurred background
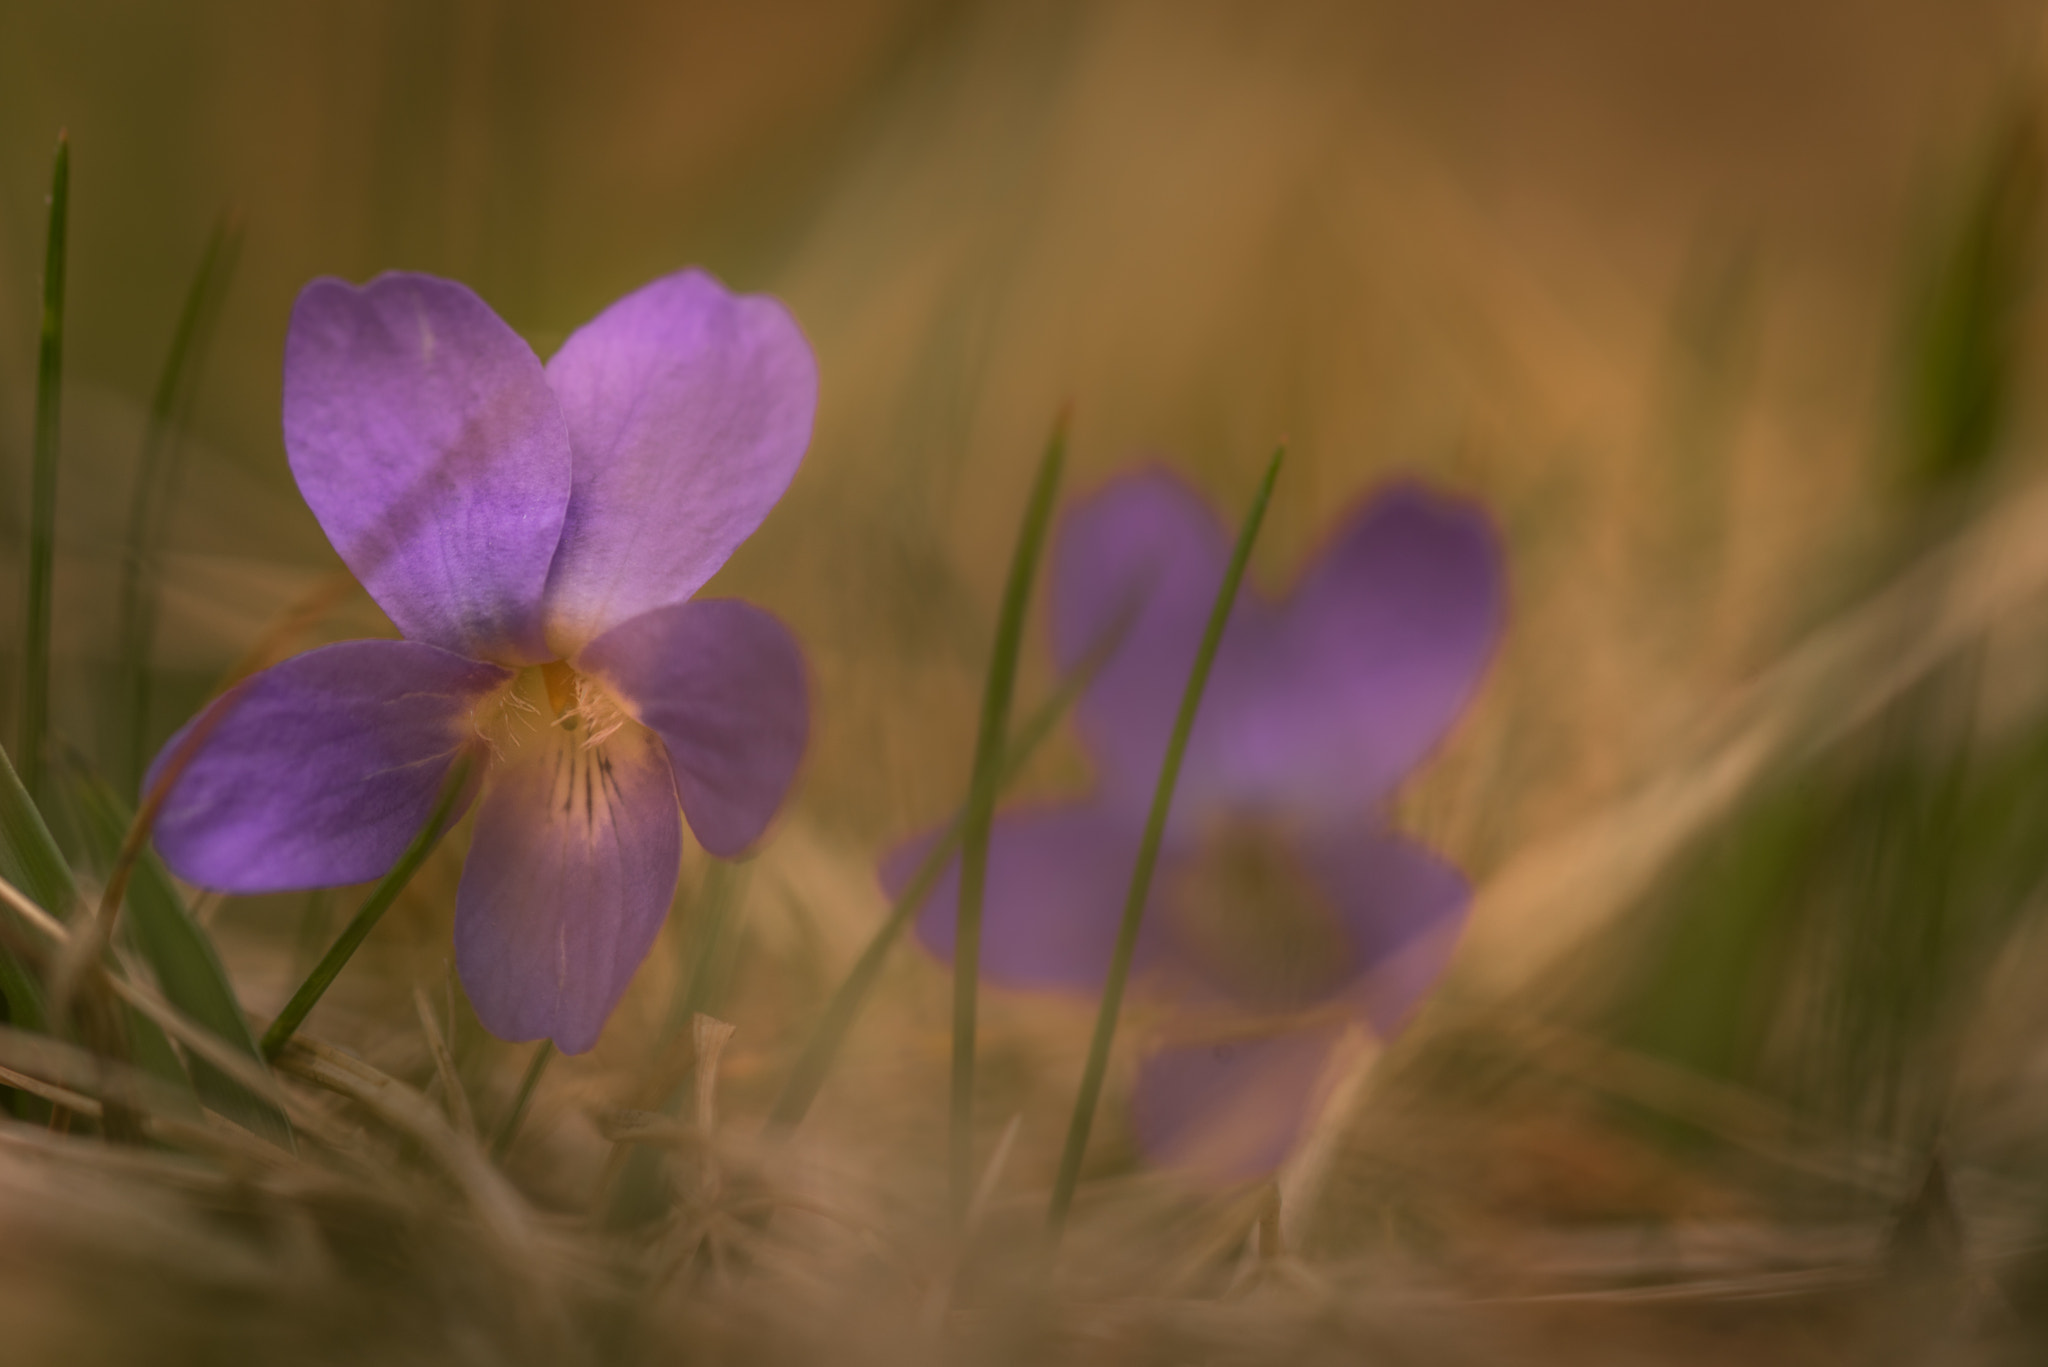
pixel 1725 311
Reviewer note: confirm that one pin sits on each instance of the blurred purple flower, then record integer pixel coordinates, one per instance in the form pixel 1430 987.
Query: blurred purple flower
pixel 536 533
pixel 1283 909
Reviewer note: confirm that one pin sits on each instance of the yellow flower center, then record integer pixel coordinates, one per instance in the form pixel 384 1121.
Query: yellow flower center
pixel 548 705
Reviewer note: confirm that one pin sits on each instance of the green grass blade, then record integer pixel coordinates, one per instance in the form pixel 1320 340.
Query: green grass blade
pixel 150 1051
pixel 821 1050
pixel 723 902
pixel 182 956
pixel 1964 349
pixel 372 911
pixel 29 859
pixel 42 518
pixel 508 1129
pixel 979 817
pixel 1111 1007
pixel 156 481
pixel 32 862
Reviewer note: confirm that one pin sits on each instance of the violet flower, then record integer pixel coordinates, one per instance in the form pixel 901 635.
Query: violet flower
pixel 1283 910
pixel 536 533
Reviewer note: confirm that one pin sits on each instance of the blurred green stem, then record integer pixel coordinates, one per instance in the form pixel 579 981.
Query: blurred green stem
pixel 979 817
pixel 508 1129
pixel 156 480
pixel 1148 857
pixel 636 1191
pixel 42 522
pixel 379 901
pixel 721 902
pixel 1966 346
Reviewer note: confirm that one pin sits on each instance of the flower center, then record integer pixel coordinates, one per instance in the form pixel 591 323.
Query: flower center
pixel 1255 924
pixel 549 705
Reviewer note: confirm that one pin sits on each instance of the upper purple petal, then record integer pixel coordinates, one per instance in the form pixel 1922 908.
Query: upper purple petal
pixel 1057 880
pixel 1369 661
pixel 722 683
pixel 1231 1110
pixel 570 873
pixel 320 770
pixel 689 409
pixel 1135 571
pixel 425 438
pixel 1317 704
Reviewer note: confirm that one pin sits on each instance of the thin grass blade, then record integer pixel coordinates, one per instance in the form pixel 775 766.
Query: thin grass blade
pixel 723 902
pixel 42 517
pixel 1111 1006
pixel 814 1064
pixel 29 859
pixel 508 1128
pixel 156 478
pixel 979 816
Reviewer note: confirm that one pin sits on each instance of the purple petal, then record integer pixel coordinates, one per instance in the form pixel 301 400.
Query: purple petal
pixel 1135 571
pixel 320 770
pixel 424 436
pixel 722 683
pixel 1231 1111
pixel 688 408
pixel 570 874
pixel 1402 908
pixel 1369 661
pixel 1057 880
pixel 1318 704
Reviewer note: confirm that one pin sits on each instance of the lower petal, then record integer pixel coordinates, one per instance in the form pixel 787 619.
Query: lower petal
pixel 1231 1111
pixel 1402 907
pixel 317 771
pixel 570 874
pixel 722 683
pixel 1054 897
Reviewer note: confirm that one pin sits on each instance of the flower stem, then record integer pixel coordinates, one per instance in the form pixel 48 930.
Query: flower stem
pixel 508 1128
pixel 721 908
pixel 42 518
pixel 379 901
pixel 1148 857
pixel 979 815
pixel 636 1189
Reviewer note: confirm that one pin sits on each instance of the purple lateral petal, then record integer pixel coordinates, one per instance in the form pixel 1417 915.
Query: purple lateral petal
pixel 689 408
pixel 570 874
pixel 424 436
pixel 1402 908
pixel 722 683
pixel 1231 1111
pixel 320 770
pixel 1057 879
pixel 1135 570
pixel 1369 661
